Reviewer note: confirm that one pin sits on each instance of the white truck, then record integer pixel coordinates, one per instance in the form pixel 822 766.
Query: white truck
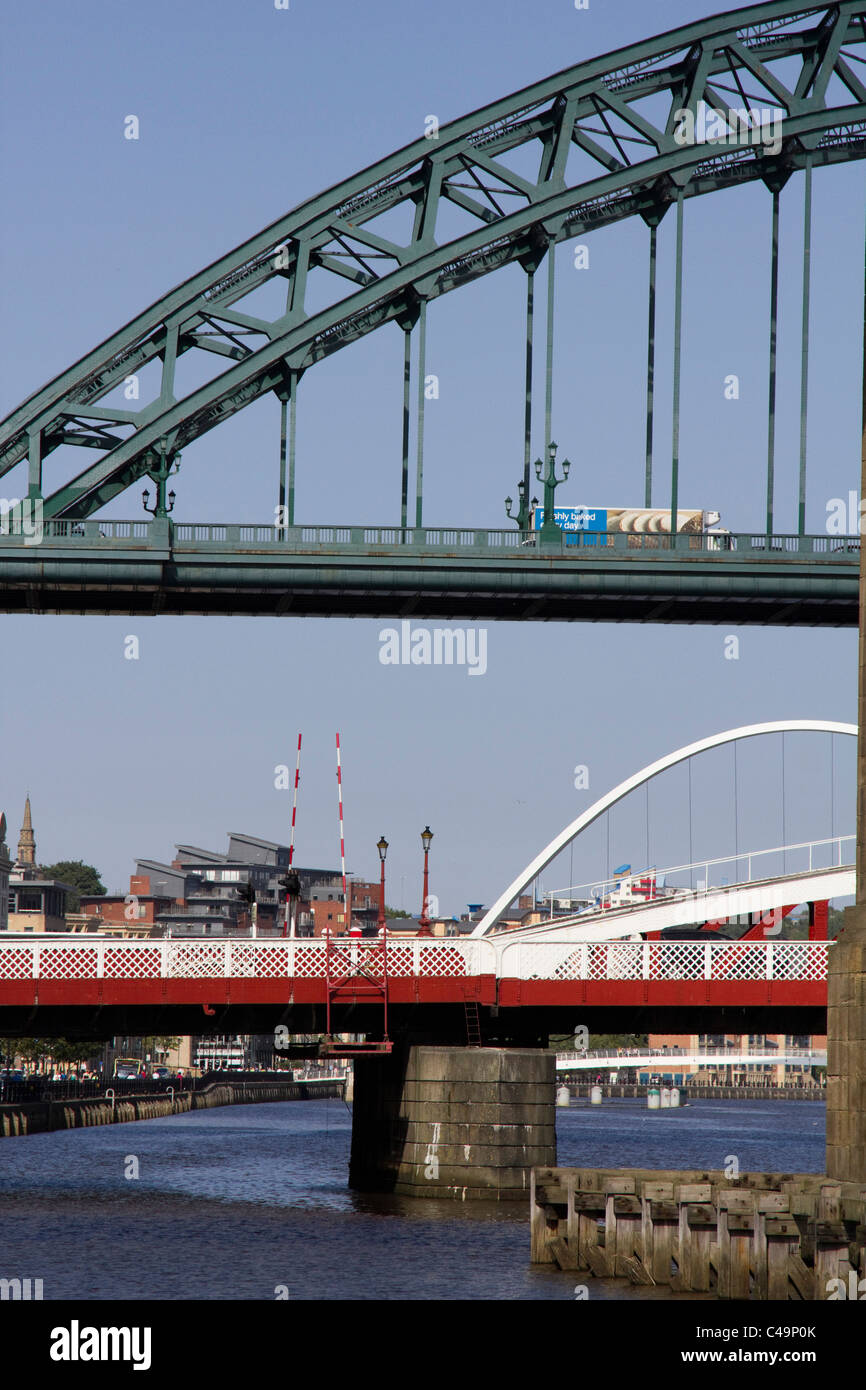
pixel 593 525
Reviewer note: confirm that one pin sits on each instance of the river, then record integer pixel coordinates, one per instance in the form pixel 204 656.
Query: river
pixel 251 1202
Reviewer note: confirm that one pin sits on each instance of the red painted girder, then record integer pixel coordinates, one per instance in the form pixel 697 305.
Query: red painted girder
pixel 673 993
pixel 220 991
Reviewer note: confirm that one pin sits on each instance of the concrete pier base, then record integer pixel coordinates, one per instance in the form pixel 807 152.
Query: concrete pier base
pixel 846 1051
pixel 458 1122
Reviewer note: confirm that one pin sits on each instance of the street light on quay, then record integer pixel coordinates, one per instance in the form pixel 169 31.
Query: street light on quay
pixel 382 847
pixel 424 922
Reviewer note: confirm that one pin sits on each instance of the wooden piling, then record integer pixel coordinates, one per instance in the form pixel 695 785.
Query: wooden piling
pixel 761 1236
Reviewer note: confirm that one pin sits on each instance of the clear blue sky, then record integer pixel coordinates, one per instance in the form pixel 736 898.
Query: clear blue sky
pixel 244 112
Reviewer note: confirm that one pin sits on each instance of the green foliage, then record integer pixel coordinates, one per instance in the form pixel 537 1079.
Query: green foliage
pixel 601 1042
pixel 82 876
pixel 59 1050
pixel 157 1045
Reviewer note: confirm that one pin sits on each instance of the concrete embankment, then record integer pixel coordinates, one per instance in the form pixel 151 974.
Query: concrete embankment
pixel 38 1117
pixel 629 1090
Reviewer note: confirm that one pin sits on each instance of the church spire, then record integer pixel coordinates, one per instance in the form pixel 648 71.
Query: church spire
pixel 27 840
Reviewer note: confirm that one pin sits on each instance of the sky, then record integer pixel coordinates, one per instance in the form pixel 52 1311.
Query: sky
pixel 244 111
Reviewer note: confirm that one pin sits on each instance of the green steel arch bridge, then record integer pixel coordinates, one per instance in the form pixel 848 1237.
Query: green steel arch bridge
pixel 633 134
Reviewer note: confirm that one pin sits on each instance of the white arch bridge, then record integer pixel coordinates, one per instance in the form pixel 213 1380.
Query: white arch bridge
pixel 821 869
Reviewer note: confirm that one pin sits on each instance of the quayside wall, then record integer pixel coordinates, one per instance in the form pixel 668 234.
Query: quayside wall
pixel 777 1236
pixel 38 1117
pixel 630 1090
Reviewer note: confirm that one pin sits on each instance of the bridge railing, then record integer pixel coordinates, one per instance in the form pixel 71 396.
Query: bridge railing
pixel 246 958
pixel 194 535
pixel 665 960
pixel 707 876
pixel 82 959
pixel 635 1054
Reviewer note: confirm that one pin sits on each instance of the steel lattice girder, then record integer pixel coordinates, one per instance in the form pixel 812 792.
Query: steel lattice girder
pixel 593 107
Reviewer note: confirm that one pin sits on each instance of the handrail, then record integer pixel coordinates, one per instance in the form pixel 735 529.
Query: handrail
pixel 105 958
pixel 192 535
pixel 601 887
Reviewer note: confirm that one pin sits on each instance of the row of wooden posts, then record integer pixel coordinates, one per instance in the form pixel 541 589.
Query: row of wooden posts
pixel 759 1236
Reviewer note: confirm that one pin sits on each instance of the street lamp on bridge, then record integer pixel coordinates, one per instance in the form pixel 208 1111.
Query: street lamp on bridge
pixel 162 465
pixel 382 847
pixel 549 530
pixel 424 921
pixel 522 517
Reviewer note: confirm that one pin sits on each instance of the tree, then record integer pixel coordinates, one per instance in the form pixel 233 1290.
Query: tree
pixel 156 1045
pixel 82 876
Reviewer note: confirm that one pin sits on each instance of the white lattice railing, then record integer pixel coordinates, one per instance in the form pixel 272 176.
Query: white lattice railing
pixel 665 960
pixel 59 959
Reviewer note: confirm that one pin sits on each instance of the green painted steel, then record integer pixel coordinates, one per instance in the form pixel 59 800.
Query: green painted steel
pixel 651 365
pixel 804 342
pixel 784 53
pixel 774 321
pixel 158 566
pixel 419 416
pixel 678 352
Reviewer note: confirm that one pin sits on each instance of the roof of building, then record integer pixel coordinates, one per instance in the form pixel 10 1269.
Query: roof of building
pixel 254 840
pixel 24 880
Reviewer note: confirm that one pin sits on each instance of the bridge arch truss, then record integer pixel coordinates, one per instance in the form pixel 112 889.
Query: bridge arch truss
pixel 604 136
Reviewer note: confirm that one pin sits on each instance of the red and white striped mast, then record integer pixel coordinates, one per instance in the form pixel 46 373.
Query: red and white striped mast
pixel 346 915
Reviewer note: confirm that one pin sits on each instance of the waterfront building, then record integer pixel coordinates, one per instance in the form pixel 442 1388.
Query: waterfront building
pixel 790 1070
pixel 34 903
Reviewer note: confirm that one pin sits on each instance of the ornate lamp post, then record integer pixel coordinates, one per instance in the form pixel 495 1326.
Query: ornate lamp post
pixel 382 847
pixel 549 529
pixel 162 467
pixel 424 922
pixel 522 517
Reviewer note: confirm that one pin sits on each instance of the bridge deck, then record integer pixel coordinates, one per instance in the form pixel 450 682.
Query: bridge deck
pixel 162 567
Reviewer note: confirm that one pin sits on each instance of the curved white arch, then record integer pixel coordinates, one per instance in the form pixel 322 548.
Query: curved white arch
pixel 523 880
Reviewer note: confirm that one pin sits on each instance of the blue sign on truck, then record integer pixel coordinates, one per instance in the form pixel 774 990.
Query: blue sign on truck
pixel 575 518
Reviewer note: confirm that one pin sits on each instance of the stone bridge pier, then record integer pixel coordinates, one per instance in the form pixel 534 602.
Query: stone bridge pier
pixel 846 1050
pixel 456 1122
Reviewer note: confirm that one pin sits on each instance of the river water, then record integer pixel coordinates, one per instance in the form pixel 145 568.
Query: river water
pixel 251 1202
